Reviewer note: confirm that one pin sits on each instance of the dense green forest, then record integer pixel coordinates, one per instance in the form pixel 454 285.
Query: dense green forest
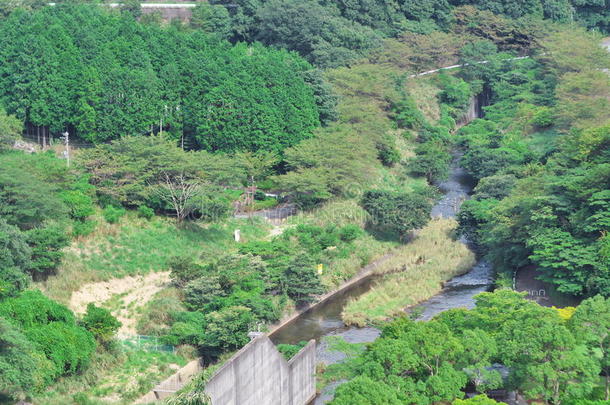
pixel 254 104
pixel 552 356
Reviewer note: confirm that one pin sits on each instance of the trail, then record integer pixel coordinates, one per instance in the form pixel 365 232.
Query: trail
pixel 429 72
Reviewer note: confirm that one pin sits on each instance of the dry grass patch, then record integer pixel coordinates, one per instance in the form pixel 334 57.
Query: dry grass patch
pixel 413 274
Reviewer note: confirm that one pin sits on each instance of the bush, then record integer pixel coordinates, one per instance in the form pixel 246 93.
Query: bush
pixel 100 322
pixel 83 228
pixel 349 233
pixel 212 207
pixel 543 117
pixel 387 152
pixel 80 205
pixel 184 269
pixel 112 214
pixel 145 212
pixel 397 212
pixel 406 114
pixel 47 244
pixel 32 308
pixel 288 351
pixel 69 347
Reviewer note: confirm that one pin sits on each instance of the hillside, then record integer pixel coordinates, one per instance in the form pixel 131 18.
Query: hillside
pixel 121 263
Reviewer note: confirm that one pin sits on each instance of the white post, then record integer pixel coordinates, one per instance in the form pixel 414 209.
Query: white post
pixel 67 139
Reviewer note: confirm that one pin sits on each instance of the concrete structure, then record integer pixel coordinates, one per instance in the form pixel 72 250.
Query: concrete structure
pixel 173 383
pixel 259 375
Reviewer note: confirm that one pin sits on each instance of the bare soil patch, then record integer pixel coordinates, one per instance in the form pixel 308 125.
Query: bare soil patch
pixel 123 296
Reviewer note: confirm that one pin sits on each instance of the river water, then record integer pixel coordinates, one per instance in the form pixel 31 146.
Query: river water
pixel 325 320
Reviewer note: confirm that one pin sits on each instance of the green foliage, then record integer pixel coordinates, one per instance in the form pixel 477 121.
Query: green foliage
pixel 109 76
pixel 69 347
pixel 324 166
pixel 387 152
pixel 15 260
pixel 32 308
pixel 323 93
pixel 55 343
pixel 301 279
pixel 316 32
pixel 227 329
pixel 432 161
pixel 288 351
pixel 10 130
pixel 540 198
pixel 28 194
pixel 456 93
pixel 212 19
pixel 397 212
pixel 406 114
pixel 100 322
pixel 18 363
pixel 366 391
pixel 350 233
pixel 47 244
pixel 478 400
pixel 112 214
pixel 145 212
pixel 427 362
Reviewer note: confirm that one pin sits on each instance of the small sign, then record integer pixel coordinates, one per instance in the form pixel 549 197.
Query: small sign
pixel 237 235
pixel 320 268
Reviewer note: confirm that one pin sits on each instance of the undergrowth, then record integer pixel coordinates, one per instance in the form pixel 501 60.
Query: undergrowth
pixel 414 273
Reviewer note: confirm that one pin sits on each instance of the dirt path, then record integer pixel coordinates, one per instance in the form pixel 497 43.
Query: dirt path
pixel 123 296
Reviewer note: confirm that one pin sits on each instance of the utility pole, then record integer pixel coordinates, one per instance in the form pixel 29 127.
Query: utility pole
pixel 67 140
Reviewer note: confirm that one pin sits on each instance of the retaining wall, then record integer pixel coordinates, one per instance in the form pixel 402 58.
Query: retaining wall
pixel 173 383
pixel 258 374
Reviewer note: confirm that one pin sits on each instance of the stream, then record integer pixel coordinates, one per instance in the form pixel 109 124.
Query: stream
pixel 325 320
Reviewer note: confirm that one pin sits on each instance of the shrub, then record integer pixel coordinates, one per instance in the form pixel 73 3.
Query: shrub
pixel 188 329
pixel 112 214
pixel 47 244
pixel 301 280
pixel 406 114
pixel 32 308
pixel 288 351
pixel 184 269
pixel 68 346
pixel 387 152
pixel 79 204
pixel 351 232
pixel 145 212
pixel 100 322
pixel 543 117
pixel 212 207
pixel 83 228
pixel 397 212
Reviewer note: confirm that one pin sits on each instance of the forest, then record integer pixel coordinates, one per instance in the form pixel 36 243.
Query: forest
pixel 181 132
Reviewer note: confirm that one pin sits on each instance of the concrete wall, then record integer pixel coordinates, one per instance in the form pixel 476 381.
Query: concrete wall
pixel 173 383
pixel 259 375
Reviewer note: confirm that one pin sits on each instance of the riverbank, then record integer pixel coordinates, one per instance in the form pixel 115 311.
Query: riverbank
pixel 433 257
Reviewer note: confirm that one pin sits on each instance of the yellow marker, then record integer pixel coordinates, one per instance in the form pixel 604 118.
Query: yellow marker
pixel 320 268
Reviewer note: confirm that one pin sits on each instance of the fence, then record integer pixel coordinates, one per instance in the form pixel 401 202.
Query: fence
pixel 148 343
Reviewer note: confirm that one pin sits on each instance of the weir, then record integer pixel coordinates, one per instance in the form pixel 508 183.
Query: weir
pixel 258 374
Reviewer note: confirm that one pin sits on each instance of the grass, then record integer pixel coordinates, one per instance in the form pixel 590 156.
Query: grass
pixel 135 246
pixel 363 251
pixel 413 274
pixel 117 378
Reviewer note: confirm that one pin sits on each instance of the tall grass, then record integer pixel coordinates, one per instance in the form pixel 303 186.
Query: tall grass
pixel 339 213
pixel 135 246
pixel 116 378
pixel 413 274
